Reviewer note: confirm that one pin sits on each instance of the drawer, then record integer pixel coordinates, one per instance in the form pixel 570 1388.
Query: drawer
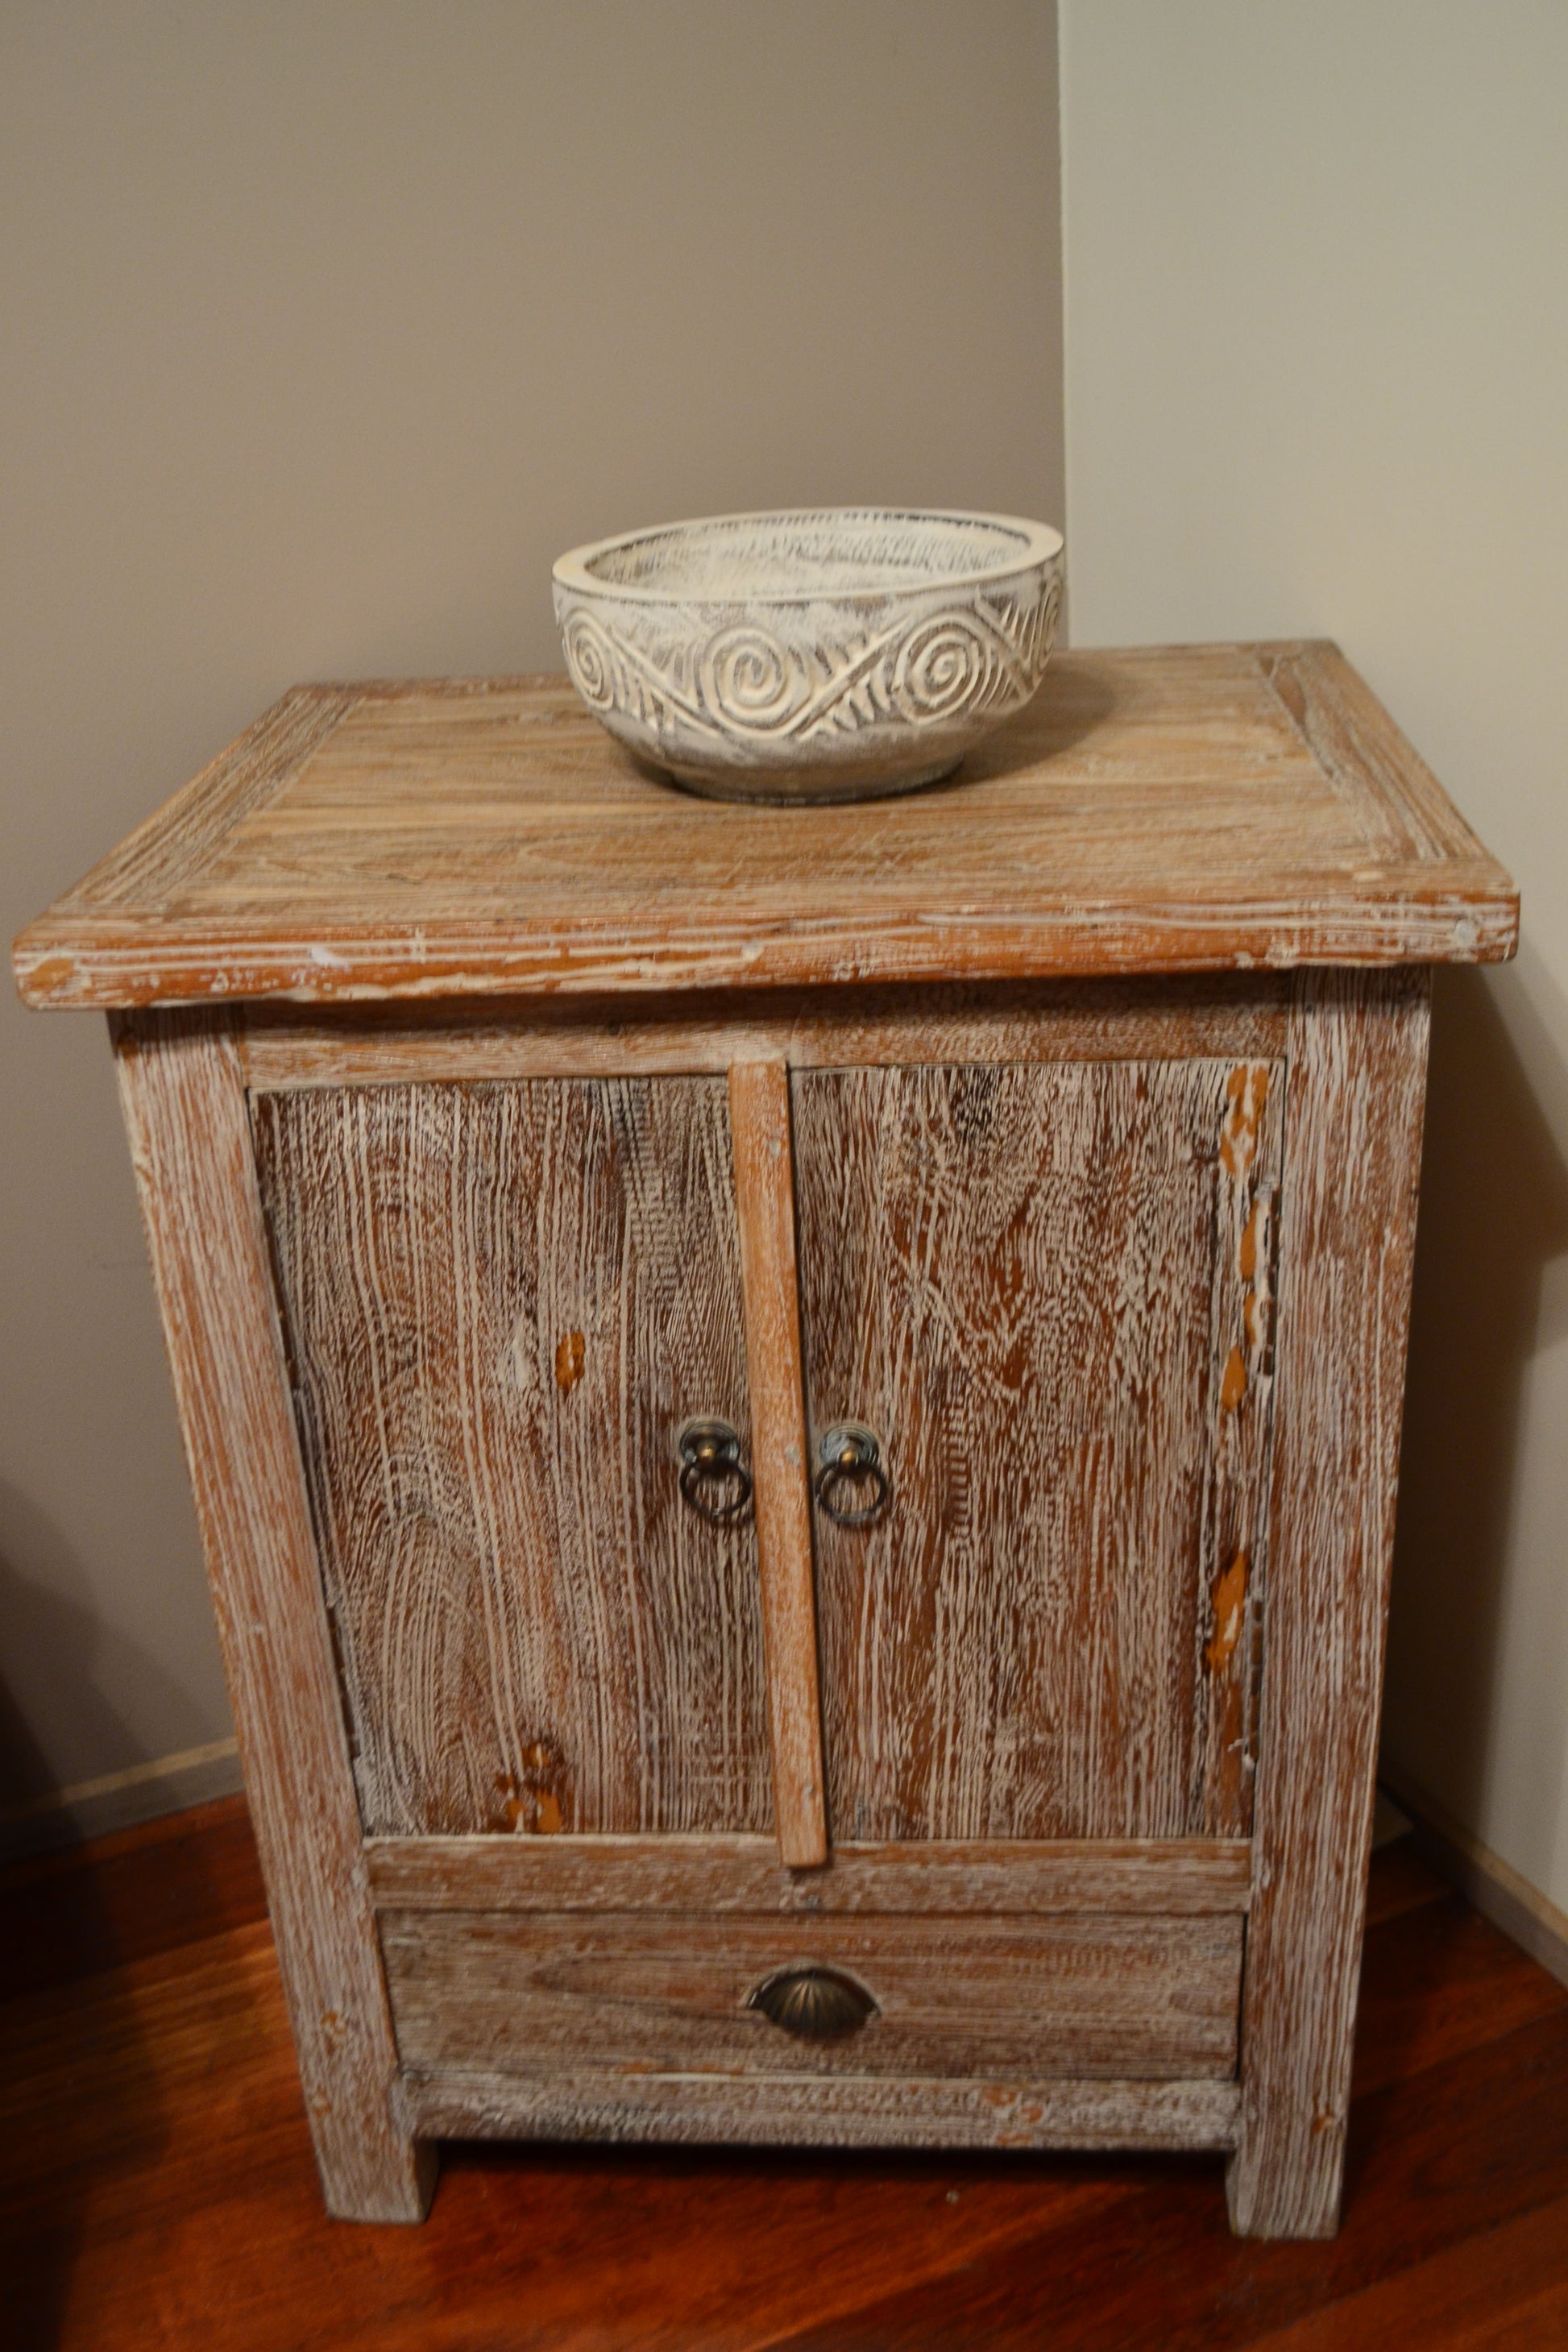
pixel 1107 1995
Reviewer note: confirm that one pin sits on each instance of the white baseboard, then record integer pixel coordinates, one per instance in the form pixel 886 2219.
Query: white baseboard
pixel 118 1800
pixel 1483 1877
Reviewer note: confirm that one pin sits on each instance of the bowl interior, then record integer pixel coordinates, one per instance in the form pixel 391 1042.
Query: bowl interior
pixel 799 555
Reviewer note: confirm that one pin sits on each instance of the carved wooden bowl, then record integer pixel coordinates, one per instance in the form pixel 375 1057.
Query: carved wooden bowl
pixel 829 655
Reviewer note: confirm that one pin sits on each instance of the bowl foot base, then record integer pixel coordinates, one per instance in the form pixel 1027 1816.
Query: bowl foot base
pixel 813 791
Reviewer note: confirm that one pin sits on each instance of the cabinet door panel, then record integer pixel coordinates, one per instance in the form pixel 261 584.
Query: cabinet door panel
pixel 1027 1281
pixel 500 1304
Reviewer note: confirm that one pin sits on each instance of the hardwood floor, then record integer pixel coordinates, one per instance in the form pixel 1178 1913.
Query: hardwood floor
pixel 159 2188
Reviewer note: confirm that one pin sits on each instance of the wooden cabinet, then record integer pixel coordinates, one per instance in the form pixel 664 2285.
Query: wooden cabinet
pixel 794 1413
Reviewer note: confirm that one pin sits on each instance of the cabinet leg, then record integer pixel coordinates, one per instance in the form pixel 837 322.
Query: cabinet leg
pixel 1276 2187
pixel 398 2186
pixel 1357 1054
pixel 185 1109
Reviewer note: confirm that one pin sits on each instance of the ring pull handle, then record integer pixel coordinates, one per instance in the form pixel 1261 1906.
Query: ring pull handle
pixel 711 1456
pixel 851 1458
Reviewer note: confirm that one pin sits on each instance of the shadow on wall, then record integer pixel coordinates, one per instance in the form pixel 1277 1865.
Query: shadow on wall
pixel 1494 1213
pixel 59 1655
pixel 56 1931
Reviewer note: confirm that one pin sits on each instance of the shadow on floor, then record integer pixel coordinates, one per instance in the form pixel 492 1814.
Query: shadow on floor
pixel 58 1927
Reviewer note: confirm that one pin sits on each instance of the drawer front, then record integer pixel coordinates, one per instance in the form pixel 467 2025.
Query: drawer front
pixel 1113 1996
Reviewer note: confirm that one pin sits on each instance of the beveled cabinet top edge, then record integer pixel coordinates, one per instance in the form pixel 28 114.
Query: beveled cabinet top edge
pixel 1161 810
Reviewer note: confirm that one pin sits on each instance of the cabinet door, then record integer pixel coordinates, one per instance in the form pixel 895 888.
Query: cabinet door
pixel 1046 1289
pixel 502 1303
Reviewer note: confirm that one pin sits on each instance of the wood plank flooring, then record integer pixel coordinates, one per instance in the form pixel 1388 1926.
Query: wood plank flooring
pixel 159 2190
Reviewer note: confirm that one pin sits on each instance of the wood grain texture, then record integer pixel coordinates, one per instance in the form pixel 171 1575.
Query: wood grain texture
pixel 1358 1057
pixel 285 1045
pixel 1179 809
pixel 1117 1264
pixel 502 1304
pixel 819 2111
pixel 1165 1876
pixel 764 1203
pixel 154 865
pixel 155 2106
pixel 1397 800
pixel 1502 2291
pixel 190 1144
pixel 1445 1981
pixel 1154 2271
pixel 1124 1997
pixel 1234 1543
pixel 1010 1274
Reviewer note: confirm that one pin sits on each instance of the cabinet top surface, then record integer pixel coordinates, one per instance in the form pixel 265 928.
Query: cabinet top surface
pixel 1195 808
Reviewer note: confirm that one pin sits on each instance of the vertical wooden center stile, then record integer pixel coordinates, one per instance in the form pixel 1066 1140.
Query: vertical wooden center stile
pixel 765 1200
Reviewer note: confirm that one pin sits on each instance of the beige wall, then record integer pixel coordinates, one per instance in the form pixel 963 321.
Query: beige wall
pixel 1317 372
pixel 326 327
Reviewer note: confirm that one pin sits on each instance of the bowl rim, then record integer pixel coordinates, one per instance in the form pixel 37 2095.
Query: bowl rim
pixel 1042 543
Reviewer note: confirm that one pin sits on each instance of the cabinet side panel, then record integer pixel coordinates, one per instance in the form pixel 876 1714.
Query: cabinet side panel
pixel 185 1111
pixel 502 1302
pixel 1358 1062
pixel 1008 1272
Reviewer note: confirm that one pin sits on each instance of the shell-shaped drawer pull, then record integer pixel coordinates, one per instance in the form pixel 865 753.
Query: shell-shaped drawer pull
pixel 816 2001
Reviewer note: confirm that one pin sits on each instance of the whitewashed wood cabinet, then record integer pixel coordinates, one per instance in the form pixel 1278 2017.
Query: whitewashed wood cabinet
pixel 794 1413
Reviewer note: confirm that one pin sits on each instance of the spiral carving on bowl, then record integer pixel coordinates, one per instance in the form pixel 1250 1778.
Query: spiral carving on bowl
pixel 946 665
pixel 750 680
pixel 817 689
pixel 591 659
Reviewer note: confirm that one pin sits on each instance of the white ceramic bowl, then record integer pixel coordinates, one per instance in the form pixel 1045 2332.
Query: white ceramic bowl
pixel 819 656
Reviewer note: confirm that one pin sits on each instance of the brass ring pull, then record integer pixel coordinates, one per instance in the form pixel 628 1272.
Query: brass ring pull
pixel 851 1453
pixel 710 1451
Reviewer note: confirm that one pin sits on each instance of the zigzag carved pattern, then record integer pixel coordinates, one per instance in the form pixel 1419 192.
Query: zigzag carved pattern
pixel 984 656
